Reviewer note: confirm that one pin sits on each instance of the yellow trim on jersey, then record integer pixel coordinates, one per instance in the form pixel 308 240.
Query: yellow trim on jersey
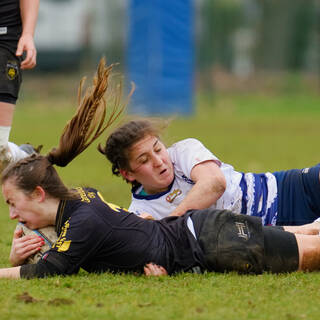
pixel 83 195
pixel 64 246
pixel 114 207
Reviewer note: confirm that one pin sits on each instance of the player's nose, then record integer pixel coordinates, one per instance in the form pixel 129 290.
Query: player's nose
pixel 13 214
pixel 157 161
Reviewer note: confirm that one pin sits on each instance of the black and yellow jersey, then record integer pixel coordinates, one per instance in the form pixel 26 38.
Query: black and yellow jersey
pixel 99 236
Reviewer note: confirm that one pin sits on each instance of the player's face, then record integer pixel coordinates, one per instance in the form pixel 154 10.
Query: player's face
pixel 150 165
pixel 22 207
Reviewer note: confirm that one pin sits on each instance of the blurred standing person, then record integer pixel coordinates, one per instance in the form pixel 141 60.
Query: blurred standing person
pixel 17 25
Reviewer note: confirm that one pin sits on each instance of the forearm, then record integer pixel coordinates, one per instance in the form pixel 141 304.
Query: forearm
pixel 10 273
pixel 201 196
pixel 309 229
pixel 29 14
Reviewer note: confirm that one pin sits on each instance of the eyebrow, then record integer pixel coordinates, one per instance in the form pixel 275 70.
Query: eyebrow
pixel 143 154
pixel 155 143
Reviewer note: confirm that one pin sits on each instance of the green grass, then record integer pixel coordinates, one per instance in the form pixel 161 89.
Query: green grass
pixel 254 133
pixel 185 296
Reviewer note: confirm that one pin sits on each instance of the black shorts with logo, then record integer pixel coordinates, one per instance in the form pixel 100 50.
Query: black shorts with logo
pixel 237 242
pixel 10 76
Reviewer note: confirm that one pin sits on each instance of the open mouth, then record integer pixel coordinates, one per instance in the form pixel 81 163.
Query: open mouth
pixel 163 171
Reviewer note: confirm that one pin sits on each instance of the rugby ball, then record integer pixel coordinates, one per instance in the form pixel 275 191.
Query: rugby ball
pixel 48 234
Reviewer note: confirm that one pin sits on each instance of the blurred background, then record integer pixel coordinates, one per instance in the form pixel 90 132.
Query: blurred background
pixel 176 49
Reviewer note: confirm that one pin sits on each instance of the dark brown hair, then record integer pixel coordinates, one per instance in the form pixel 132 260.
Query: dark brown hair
pixel 119 142
pixel 89 122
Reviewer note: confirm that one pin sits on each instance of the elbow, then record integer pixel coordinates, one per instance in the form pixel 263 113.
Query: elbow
pixel 220 186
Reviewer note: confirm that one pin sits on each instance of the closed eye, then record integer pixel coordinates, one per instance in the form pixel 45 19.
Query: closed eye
pixel 143 160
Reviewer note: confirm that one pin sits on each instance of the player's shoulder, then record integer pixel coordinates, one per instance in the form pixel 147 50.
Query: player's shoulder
pixel 184 144
pixel 181 148
pixel 89 198
pixel 83 207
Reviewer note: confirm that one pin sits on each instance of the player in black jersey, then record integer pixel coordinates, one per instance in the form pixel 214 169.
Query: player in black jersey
pixel 17 25
pixel 99 236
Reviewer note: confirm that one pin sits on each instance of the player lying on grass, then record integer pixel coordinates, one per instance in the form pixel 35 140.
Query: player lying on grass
pixel 101 237
pixel 188 176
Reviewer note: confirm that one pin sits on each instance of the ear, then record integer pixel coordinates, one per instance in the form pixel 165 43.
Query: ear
pixel 39 194
pixel 127 175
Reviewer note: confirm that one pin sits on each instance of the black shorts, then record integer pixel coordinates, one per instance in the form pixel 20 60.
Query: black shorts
pixel 281 250
pixel 10 76
pixel 237 242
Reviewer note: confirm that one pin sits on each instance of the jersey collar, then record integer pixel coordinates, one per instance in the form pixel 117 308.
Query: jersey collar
pixel 150 196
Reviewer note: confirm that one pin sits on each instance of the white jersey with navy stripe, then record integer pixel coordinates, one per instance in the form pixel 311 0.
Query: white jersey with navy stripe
pixel 253 194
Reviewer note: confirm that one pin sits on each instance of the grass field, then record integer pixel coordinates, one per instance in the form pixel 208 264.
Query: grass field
pixel 254 133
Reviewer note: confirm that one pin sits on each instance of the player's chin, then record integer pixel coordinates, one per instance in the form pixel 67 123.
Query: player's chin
pixel 167 176
pixel 34 226
pixel 30 225
pixel 163 185
pixel 166 181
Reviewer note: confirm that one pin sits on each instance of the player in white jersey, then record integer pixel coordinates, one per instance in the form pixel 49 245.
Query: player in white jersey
pixel 185 155
pixel 188 176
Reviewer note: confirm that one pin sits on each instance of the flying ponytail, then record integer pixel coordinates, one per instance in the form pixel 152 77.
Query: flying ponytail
pixel 89 122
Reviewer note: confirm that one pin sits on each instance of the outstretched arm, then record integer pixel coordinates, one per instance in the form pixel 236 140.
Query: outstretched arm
pixel 210 185
pixel 10 273
pixel 29 13
pixel 309 229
